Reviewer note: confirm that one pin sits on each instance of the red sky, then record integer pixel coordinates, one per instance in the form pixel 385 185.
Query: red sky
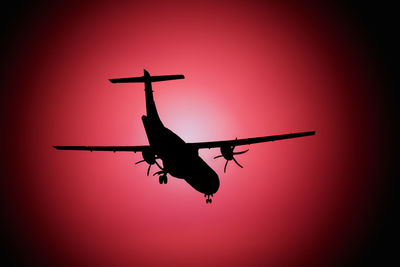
pixel 251 69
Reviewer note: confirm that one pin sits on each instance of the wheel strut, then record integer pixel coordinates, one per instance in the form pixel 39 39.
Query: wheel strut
pixel 208 199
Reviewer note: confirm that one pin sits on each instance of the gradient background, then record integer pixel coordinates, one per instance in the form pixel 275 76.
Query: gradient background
pixel 252 69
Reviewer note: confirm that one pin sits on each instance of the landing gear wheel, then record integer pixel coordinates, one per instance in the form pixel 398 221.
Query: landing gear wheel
pixel 163 179
pixel 210 201
pixel 207 200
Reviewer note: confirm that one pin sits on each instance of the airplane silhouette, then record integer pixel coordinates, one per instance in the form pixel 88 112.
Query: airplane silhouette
pixel 179 159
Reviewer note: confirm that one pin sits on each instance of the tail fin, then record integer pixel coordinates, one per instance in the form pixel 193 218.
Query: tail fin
pixel 147 79
pixel 142 79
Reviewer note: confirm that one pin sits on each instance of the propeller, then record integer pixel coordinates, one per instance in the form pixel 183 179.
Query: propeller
pixel 150 164
pixel 228 154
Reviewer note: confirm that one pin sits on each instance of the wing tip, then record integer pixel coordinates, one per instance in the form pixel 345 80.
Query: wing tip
pixel 115 80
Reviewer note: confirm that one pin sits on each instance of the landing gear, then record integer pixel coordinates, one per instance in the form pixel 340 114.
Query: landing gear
pixel 162 179
pixel 208 200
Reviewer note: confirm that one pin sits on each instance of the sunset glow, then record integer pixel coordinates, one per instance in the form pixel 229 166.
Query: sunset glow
pixel 250 70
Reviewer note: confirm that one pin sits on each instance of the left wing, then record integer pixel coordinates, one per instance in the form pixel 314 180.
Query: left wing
pixel 248 141
pixel 105 148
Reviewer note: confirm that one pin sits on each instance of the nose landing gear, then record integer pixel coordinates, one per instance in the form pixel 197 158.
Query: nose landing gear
pixel 208 200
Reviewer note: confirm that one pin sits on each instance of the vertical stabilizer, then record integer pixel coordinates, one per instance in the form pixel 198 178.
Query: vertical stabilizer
pixel 147 79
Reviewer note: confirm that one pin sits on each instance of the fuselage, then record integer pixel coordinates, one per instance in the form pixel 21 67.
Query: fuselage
pixel 178 160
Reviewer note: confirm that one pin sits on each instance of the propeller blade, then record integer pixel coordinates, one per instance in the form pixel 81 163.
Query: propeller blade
pixel 237 163
pixel 139 161
pixel 158 165
pixel 226 165
pixel 148 170
pixel 217 156
pixel 241 152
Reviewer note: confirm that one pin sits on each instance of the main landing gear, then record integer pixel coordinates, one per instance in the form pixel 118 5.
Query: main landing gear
pixel 208 200
pixel 162 178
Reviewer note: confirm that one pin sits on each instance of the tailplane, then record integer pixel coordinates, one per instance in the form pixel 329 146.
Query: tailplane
pixel 147 79
pixel 142 79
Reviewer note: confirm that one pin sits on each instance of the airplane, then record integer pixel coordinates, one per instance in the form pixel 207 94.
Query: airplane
pixel 179 159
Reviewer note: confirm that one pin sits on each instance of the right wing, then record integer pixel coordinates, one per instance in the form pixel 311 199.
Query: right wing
pixel 248 141
pixel 105 148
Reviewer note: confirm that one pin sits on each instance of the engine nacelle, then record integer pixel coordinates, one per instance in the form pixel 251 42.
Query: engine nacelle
pixel 227 152
pixel 149 156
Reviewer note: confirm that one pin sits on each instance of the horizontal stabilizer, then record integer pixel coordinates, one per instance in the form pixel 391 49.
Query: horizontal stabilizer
pixel 166 78
pixel 128 80
pixel 152 79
